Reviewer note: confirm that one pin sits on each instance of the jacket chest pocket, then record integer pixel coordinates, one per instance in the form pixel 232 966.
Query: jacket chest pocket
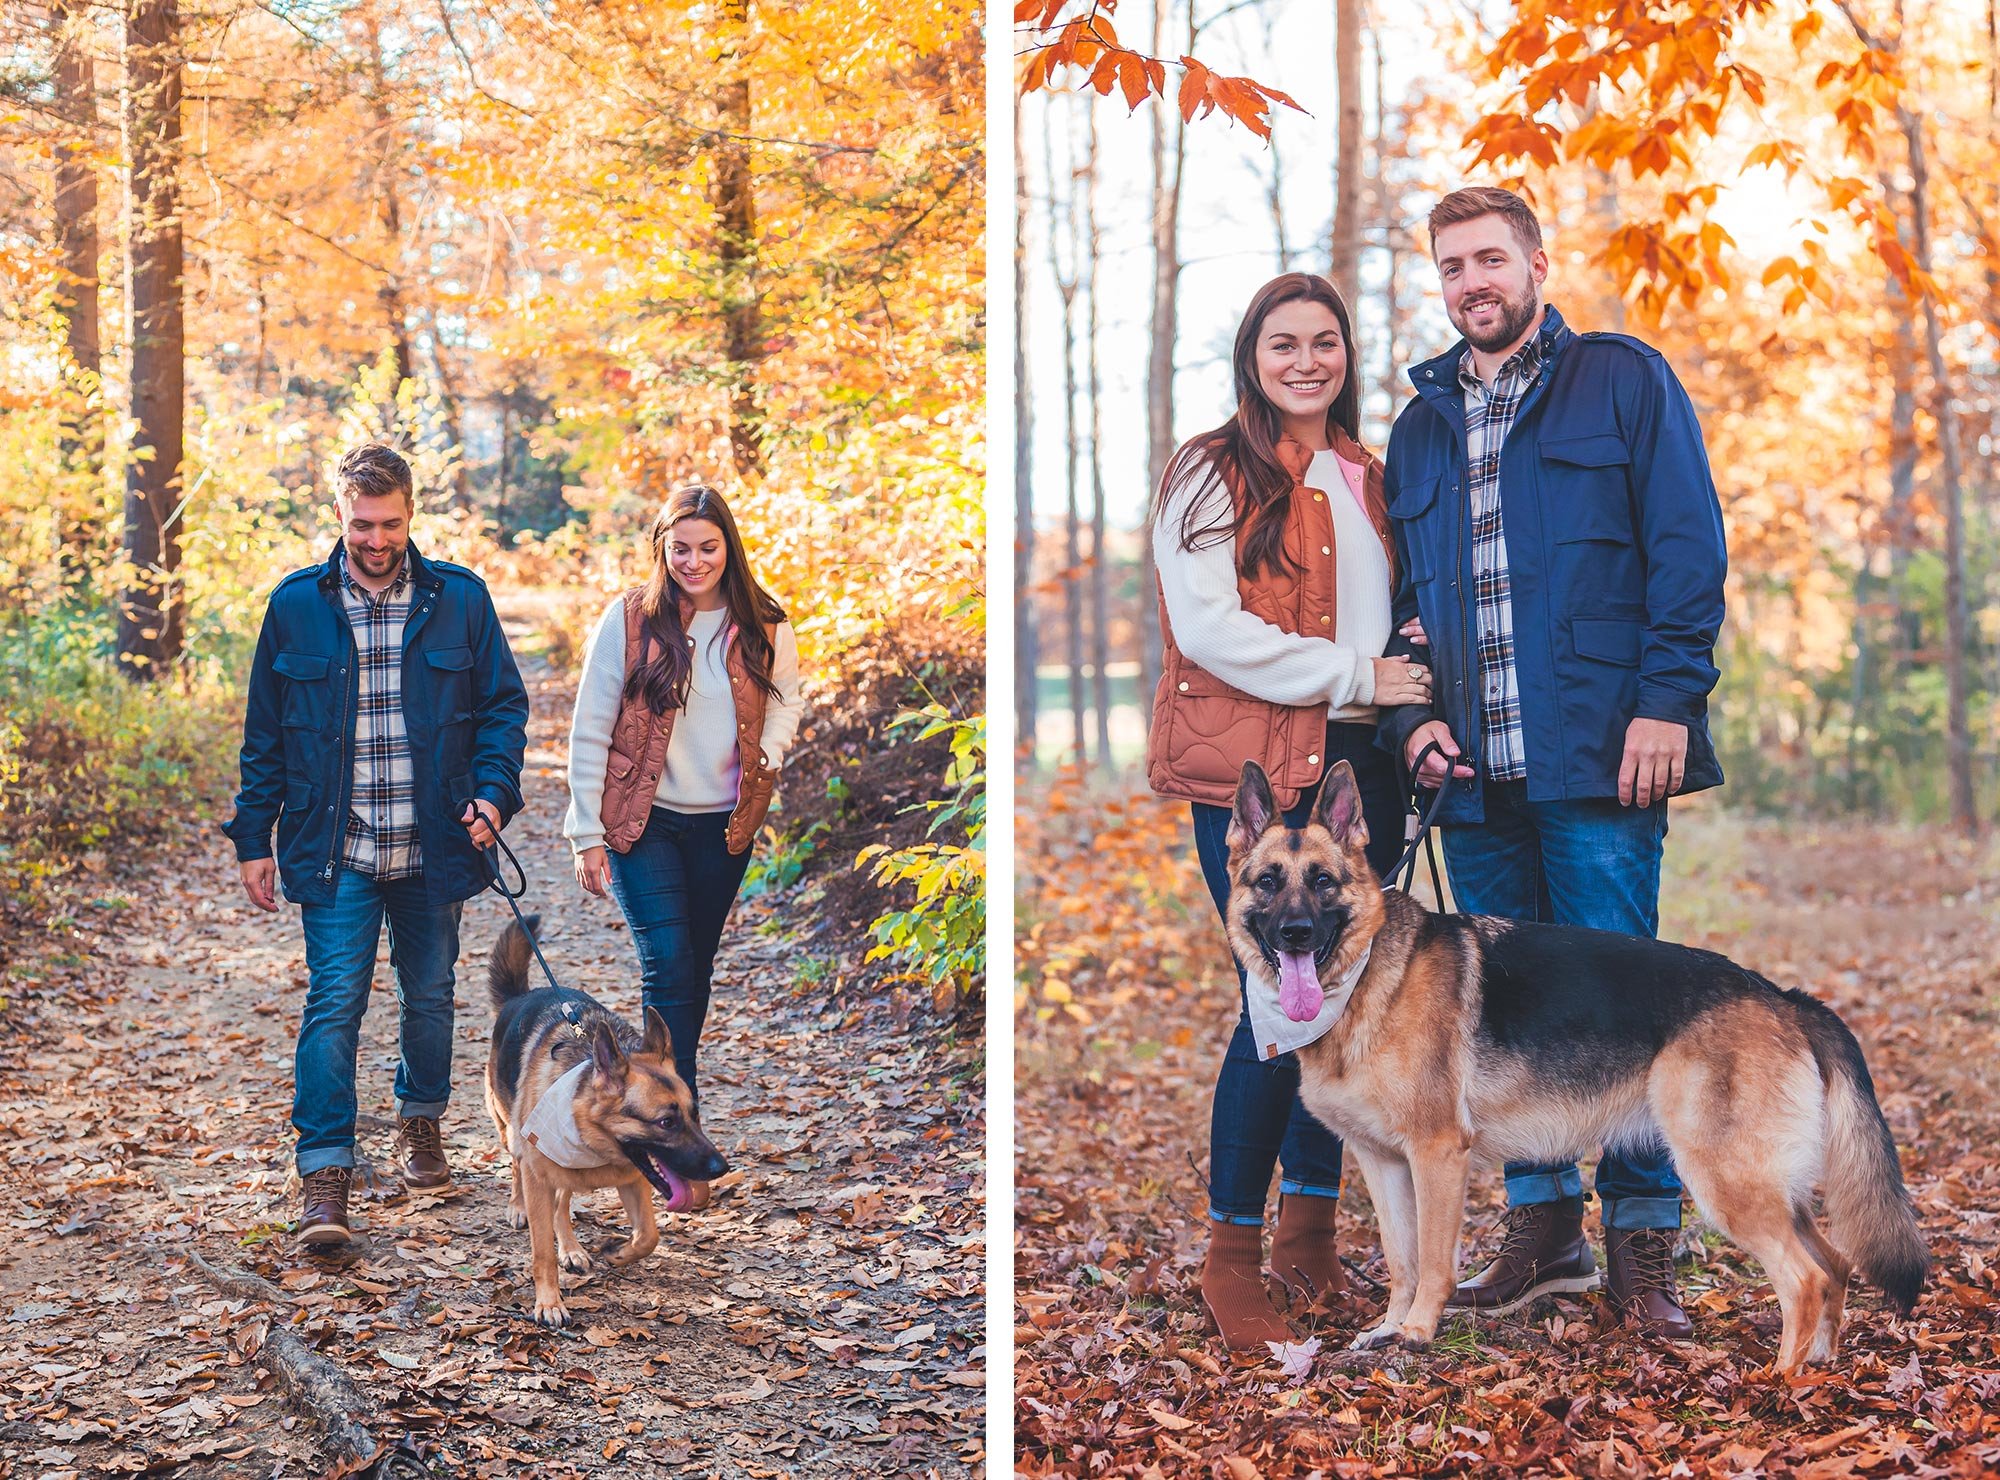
pixel 1414 511
pixel 1587 488
pixel 449 670
pixel 308 690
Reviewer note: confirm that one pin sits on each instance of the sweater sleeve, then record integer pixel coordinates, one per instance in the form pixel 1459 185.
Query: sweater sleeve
pixel 783 714
pixel 590 728
pixel 1215 632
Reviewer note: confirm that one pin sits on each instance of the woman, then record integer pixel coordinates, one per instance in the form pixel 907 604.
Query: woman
pixel 1275 563
pixel 688 701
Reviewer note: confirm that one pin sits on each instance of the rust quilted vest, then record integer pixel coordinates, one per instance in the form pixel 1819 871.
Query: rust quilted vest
pixel 1205 729
pixel 639 746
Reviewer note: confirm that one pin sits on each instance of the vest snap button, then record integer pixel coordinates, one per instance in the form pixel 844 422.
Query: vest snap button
pixel 1326 549
pixel 1324 620
pixel 1183 686
pixel 1319 498
pixel 1312 760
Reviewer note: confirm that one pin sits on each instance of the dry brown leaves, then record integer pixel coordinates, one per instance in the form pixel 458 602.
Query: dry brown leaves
pixel 1116 1376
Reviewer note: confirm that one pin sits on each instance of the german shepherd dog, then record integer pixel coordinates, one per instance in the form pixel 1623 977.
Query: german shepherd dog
pixel 1469 1038
pixel 631 1120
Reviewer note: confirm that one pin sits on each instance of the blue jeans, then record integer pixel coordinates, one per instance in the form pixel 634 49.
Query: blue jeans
pixel 676 886
pixel 341 938
pixel 1256 1121
pixel 1587 862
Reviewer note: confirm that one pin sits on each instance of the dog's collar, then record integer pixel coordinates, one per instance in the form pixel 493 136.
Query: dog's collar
pixel 568 1010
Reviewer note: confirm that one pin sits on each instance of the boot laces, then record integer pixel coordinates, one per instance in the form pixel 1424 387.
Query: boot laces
pixel 421 1133
pixel 1523 1226
pixel 327 1182
pixel 1652 1254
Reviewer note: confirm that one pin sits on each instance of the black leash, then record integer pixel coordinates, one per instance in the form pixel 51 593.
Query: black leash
pixel 1407 864
pixel 498 884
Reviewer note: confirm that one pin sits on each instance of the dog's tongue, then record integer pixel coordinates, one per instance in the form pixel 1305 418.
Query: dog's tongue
pixel 1299 993
pixel 680 1194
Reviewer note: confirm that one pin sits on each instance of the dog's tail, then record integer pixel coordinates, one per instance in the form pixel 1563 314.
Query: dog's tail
pixel 507 967
pixel 1867 1205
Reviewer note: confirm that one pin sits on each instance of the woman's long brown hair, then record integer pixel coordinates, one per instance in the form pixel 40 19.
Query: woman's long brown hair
pixel 1243 451
pixel 661 681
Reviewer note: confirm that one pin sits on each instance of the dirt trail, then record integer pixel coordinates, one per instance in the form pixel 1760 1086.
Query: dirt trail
pixel 823 1318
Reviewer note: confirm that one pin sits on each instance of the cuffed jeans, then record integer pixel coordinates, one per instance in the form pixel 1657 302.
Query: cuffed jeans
pixel 1588 862
pixel 1256 1122
pixel 341 940
pixel 675 887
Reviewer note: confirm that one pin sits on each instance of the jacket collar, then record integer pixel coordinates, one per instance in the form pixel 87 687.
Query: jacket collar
pixel 421 573
pixel 1439 376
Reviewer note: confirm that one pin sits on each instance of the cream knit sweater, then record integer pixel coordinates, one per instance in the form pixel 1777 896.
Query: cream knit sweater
pixel 1214 631
pixel 703 772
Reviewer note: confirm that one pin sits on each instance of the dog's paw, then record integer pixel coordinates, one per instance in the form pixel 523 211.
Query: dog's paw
pixel 576 1261
pixel 1374 1337
pixel 625 1252
pixel 517 1216
pixel 1416 1338
pixel 551 1311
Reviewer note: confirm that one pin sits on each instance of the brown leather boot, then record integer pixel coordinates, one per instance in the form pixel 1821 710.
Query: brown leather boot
pixel 323 1220
pixel 1640 1264
pixel 1544 1253
pixel 1304 1256
pixel 1232 1288
pixel 420 1152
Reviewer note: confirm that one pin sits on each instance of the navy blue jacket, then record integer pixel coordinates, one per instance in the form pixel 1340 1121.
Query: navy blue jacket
pixel 463 703
pixel 1614 546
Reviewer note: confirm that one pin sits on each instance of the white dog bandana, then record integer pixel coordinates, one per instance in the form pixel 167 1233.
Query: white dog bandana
pixel 1276 1031
pixel 551 1126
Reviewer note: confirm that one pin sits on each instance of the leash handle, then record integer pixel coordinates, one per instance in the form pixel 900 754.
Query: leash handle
pixel 1407 864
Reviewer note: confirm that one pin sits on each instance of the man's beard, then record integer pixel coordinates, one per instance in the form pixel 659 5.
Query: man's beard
pixel 1515 316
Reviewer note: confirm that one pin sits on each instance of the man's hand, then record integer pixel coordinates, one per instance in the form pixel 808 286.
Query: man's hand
pixel 1436 768
pixel 1655 761
pixel 260 882
pixel 482 820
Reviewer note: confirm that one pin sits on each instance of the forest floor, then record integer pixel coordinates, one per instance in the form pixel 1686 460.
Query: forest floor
pixel 1115 1374
pixel 823 1317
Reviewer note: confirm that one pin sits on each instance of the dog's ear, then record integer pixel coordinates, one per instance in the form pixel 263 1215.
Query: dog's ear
pixel 659 1041
pixel 1338 809
pixel 1256 808
pixel 606 1057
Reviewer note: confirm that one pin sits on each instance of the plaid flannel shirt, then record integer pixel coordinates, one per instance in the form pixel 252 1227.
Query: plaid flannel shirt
pixel 1489 414
pixel 381 834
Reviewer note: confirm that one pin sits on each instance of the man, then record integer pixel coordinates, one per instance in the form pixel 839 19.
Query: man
pixel 383 737
pixel 1559 534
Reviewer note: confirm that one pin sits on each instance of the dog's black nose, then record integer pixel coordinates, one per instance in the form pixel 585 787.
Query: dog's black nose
pixel 716 1167
pixel 1297 934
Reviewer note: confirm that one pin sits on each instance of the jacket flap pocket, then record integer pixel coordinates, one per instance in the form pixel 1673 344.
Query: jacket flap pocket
pixel 298 793
pixel 618 765
pixel 453 659
pixel 301 665
pixel 1607 639
pixel 1603 450
pixel 1411 501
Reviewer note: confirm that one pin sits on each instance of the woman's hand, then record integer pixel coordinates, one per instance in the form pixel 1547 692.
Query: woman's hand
pixel 1400 681
pixel 1414 630
pixel 593 871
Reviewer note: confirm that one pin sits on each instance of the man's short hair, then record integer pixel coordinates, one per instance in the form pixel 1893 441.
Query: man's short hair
pixel 371 470
pixel 1487 200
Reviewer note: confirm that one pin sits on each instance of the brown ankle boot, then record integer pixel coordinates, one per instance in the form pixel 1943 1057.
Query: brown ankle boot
pixel 420 1152
pixel 1232 1288
pixel 1640 1266
pixel 323 1217
pixel 1304 1256
pixel 1544 1253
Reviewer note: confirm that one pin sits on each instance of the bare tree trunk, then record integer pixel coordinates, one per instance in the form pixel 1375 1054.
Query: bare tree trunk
pixel 736 219
pixel 506 452
pixel 1066 287
pixel 1100 637
pixel 1026 635
pixel 454 420
pixel 76 232
pixel 150 616
pixel 1160 360
pixel 389 292
pixel 1347 163
pixel 1958 732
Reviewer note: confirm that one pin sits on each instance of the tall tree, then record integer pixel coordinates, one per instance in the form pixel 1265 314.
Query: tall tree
pixel 1026 635
pixel 1100 560
pixel 736 221
pixel 1065 270
pixel 150 617
pixel 1347 194
pixel 76 231
pixel 1167 159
